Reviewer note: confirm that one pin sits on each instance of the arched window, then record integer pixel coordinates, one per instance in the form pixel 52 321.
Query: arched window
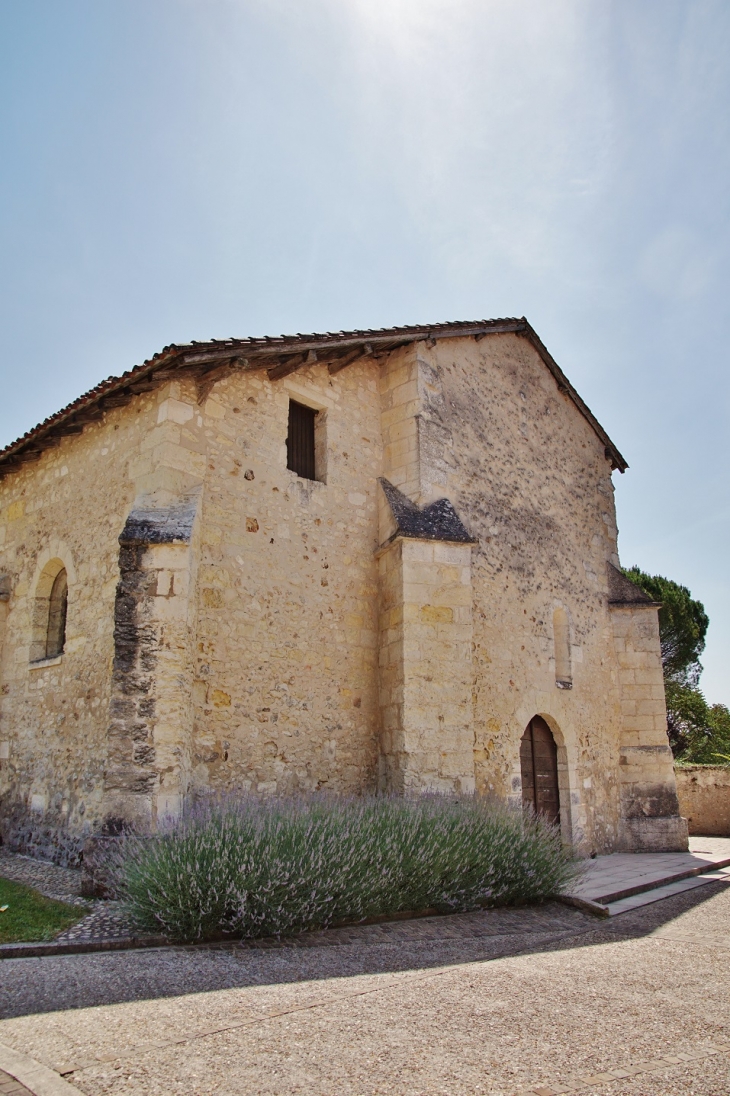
pixel 49 611
pixel 57 607
pixel 561 640
pixel 5 588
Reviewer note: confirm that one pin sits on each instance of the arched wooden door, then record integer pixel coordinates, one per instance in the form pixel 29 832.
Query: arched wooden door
pixel 539 764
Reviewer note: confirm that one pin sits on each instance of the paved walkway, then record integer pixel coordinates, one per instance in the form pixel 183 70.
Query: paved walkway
pixel 499 1002
pixel 10 1087
pixel 624 881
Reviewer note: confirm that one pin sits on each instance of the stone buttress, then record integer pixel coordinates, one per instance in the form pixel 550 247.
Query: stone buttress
pixel 425 636
pixel 426 670
pixel 150 726
pixel 649 809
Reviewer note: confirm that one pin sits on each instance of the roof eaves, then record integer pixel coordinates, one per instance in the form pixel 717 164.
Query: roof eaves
pixel 254 352
pixel 51 430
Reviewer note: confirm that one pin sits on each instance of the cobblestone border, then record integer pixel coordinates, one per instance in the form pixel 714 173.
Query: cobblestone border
pixel 50 880
pixel 80 947
pixel 499 922
pixel 37 1078
pixel 585 1081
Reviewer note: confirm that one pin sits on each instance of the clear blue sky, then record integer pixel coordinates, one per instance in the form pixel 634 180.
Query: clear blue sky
pixel 183 169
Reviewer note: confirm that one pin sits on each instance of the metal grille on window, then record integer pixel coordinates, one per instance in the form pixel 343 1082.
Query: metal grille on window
pixel 300 443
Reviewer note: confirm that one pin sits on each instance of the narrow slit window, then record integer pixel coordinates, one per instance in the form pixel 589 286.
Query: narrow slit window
pixel 300 447
pixel 561 640
pixel 57 608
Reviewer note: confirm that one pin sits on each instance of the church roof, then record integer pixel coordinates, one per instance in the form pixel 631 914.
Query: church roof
pixel 280 355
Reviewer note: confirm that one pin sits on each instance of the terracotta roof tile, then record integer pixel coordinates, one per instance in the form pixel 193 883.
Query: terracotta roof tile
pixel 260 353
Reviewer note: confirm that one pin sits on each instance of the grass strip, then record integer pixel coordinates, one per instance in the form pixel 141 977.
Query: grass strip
pixel 30 916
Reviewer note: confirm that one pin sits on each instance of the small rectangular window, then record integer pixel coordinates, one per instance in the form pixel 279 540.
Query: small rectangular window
pixel 561 642
pixel 300 442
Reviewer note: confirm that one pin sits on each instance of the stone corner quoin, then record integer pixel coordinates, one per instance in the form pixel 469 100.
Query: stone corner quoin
pixel 395 617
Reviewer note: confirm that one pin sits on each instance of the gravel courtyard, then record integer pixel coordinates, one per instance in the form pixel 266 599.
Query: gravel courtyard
pixel 502 1002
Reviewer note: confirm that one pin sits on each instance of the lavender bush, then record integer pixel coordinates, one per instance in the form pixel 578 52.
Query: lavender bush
pixel 274 867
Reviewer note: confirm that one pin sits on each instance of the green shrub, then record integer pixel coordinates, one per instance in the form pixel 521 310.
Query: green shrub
pixel 699 733
pixel 259 868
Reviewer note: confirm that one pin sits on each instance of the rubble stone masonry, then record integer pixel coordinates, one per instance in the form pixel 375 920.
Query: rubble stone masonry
pixel 232 626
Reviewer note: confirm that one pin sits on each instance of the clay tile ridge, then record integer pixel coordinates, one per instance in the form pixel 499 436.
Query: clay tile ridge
pixel 257 353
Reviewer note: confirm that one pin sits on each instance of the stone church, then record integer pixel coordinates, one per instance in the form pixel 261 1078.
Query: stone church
pixel 355 561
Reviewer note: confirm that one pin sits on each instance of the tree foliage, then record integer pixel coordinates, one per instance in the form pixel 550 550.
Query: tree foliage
pixel 683 625
pixel 698 732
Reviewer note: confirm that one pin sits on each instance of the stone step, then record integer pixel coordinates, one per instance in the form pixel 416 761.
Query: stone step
pixel 645 898
pixel 625 877
pixel 616 894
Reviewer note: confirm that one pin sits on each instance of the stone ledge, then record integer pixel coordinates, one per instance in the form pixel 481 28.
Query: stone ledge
pixel 77 947
pixel 586 904
pixel 42 663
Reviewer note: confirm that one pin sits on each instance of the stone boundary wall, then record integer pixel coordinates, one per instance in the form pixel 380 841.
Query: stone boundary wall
pixel 704 798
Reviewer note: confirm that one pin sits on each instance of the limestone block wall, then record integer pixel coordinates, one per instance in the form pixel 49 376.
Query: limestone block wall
pixel 56 782
pixel 285 689
pixel 426 667
pixel 704 798
pixel 530 481
pixel 650 817
pixel 247 659
pixel 69 507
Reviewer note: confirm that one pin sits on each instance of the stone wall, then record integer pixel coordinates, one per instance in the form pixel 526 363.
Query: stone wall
pixel 285 690
pixel 484 424
pixel 321 634
pixel 260 633
pixel 58 780
pixel 69 506
pixel 704 798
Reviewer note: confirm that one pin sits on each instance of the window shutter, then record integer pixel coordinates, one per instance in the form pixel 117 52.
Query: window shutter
pixel 300 443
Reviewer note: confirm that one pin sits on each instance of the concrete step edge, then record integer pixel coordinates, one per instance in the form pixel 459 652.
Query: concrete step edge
pixel 585 904
pixel 668 890
pixel 648 885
